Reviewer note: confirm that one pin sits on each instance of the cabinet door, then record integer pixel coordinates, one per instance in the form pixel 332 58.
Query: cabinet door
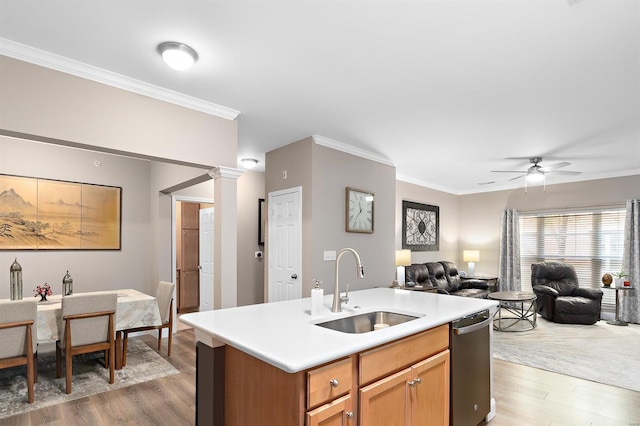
pixel 385 402
pixel 336 413
pixel 429 391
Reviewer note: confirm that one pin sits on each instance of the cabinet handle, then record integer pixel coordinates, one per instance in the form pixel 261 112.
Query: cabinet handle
pixel 349 414
pixel 415 382
pixel 334 383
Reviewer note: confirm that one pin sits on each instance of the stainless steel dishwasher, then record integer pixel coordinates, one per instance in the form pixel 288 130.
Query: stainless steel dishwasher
pixel 470 369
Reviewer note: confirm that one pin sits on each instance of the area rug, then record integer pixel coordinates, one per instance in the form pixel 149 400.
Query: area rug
pixel 601 352
pixel 89 378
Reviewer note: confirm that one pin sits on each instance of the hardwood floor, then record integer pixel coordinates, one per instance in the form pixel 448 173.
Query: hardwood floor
pixel 524 396
pixel 529 396
pixel 166 401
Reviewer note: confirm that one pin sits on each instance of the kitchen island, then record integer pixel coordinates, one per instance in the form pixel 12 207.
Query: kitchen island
pixel 282 350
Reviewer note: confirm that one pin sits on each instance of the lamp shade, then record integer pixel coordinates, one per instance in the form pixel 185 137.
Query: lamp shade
pixel 403 257
pixel 471 255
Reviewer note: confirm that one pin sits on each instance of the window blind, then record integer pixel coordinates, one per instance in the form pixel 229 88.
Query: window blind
pixel 590 240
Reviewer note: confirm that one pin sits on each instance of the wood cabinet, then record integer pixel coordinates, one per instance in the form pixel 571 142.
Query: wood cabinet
pixel 416 395
pixel 429 391
pixel 329 388
pixel 335 413
pixel 405 382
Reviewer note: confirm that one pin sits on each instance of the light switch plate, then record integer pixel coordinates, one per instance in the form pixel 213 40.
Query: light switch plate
pixel 329 255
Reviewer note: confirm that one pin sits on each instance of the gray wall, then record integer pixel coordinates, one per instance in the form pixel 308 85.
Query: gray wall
pixel 324 173
pixel 333 171
pixel 91 270
pixel 250 270
pixel 47 103
pixel 67 110
pixel 449 220
pixel 479 224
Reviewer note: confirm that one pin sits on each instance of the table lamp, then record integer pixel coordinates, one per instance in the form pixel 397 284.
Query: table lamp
pixel 403 258
pixel 471 256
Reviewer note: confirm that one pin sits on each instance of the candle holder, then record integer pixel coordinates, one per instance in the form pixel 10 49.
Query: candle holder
pixel 67 285
pixel 15 280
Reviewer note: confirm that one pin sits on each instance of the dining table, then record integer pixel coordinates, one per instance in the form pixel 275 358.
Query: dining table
pixel 134 309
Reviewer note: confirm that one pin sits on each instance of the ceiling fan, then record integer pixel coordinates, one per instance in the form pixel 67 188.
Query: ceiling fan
pixel 536 173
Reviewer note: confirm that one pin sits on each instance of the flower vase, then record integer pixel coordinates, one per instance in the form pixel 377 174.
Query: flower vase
pixel 43 297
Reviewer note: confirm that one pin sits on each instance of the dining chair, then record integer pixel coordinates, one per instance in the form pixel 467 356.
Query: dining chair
pixel 87 326
pixel 164 297
pixel 18 319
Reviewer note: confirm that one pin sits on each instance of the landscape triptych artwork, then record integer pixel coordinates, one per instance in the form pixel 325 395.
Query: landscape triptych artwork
pixel 45 214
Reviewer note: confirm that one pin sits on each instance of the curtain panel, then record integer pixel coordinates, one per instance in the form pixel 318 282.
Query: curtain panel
pixel 630 303
pixel 509 272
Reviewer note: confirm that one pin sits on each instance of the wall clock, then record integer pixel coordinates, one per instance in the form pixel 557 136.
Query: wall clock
pixel 359 214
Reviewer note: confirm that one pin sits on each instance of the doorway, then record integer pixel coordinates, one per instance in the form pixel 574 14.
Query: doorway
pixel 192 261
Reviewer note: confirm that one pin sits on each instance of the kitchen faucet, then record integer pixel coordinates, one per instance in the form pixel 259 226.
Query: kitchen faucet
pixel 337 299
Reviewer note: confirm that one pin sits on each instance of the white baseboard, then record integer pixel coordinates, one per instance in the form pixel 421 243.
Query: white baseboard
pixel 492 413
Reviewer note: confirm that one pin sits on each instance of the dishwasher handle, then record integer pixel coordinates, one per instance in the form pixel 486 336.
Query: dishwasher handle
pixel 473 327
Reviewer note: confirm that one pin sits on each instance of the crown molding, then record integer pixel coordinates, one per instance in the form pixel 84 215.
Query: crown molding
pixel 349 149
pixel 224 172
pixel 69 66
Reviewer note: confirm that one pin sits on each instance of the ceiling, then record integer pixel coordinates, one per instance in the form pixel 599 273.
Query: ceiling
pixel 446 90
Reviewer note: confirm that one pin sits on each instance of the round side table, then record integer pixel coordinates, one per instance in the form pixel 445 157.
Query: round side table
pixel 618 321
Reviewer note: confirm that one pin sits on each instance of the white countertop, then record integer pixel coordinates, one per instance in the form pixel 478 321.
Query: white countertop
pixel 284 334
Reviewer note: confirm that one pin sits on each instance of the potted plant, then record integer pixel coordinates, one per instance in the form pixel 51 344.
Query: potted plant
pixel 620 278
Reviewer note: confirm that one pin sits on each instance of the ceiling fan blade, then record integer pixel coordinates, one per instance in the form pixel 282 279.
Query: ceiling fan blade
pixel 517 177
pixel 508 171
pixel 563 172
pixel 555 166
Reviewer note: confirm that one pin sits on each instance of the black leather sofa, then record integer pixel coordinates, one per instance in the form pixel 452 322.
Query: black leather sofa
pixel 444 275
pixel 560 298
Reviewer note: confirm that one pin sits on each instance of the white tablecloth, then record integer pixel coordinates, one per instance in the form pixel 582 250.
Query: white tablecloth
pixel 135 309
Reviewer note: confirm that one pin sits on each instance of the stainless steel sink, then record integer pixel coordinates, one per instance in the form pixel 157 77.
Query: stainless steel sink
pixel 364 323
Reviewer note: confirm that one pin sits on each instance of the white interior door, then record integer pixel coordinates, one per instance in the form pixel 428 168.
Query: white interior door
pixel 206 259
pixel 284 242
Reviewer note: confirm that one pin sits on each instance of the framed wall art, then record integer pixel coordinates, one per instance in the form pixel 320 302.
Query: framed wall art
pixel 46 214
pixel 262 217
pixel 420 226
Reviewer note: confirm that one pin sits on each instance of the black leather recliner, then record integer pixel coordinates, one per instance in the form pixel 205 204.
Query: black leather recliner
pixel 560 298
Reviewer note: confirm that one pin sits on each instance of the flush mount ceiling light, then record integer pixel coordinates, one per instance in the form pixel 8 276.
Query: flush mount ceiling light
pixel 249 163
pixel 177 55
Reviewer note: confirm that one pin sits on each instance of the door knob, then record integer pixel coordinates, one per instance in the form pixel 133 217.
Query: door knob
pixel 294 276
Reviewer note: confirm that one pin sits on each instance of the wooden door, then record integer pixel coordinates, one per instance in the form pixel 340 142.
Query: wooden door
pixel 429 394
pixel 385 402
pixel 335 413
pixel 189 292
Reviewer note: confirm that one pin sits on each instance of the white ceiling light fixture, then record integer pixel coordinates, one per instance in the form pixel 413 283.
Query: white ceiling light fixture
pixel 249 163
pixel 177 55
pixel 535 176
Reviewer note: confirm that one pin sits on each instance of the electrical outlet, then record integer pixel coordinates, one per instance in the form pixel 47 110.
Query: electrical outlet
pixel 284 174
pixel 329 255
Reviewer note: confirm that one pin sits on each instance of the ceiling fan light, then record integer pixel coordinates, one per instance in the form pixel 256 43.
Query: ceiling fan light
pixel 177 55
pixel 535 177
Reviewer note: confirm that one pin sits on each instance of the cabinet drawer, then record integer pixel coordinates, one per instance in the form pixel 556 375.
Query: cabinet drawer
pixel 394 356
pixel 328 382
